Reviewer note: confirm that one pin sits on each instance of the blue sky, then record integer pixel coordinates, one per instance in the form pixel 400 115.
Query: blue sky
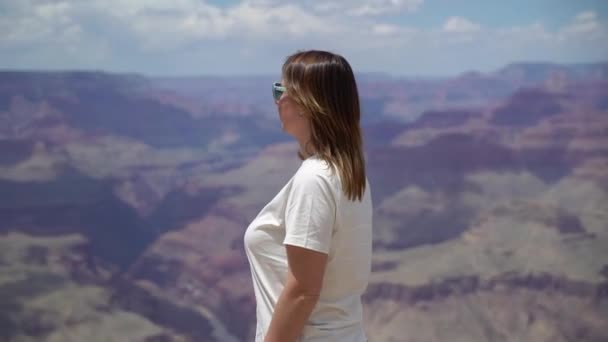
pixel 198 37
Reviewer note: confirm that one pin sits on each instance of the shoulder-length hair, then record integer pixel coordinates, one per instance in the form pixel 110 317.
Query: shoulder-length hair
pixel 323 83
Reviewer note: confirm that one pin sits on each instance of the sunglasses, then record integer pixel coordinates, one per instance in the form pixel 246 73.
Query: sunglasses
pixel 277 90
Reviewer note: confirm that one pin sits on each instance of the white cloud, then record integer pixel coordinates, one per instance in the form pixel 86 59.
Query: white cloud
pixel 385 29
pixel 459 25
pixel 34 22
pixel 280 21
pixel 351 7
pixel 187 21
pixel 533 33
pixel 586 16
pixel 127 34
pixel 378 7
pixel 53 11
pixel 165 25
pixel 585 25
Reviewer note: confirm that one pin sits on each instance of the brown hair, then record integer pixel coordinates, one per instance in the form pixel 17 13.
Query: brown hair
pixel 323 83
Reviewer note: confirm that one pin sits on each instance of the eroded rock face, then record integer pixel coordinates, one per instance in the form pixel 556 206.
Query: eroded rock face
pixel 530 308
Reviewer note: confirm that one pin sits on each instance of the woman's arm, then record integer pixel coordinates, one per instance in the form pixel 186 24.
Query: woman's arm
pixel 300 295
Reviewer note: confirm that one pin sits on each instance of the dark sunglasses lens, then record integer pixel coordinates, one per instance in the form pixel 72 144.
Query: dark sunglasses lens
pixel 276 93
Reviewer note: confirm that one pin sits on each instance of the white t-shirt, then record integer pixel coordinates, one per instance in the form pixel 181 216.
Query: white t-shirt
pixel 312 212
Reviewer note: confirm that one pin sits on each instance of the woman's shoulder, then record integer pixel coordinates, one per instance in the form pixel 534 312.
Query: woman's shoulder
pixel 315 171
pixel 315 166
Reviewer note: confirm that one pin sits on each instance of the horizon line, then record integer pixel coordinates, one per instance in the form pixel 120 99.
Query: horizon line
pixel 269 74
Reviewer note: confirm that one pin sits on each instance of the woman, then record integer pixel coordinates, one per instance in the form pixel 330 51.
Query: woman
pixel 310 247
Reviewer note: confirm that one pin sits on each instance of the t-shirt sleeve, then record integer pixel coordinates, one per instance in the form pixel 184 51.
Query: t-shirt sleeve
pixel 310 213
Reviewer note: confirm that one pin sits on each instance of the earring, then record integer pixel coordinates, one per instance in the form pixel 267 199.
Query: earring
pixel 301 113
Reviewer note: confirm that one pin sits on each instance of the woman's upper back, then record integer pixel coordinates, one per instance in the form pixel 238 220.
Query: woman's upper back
pixel 349 243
